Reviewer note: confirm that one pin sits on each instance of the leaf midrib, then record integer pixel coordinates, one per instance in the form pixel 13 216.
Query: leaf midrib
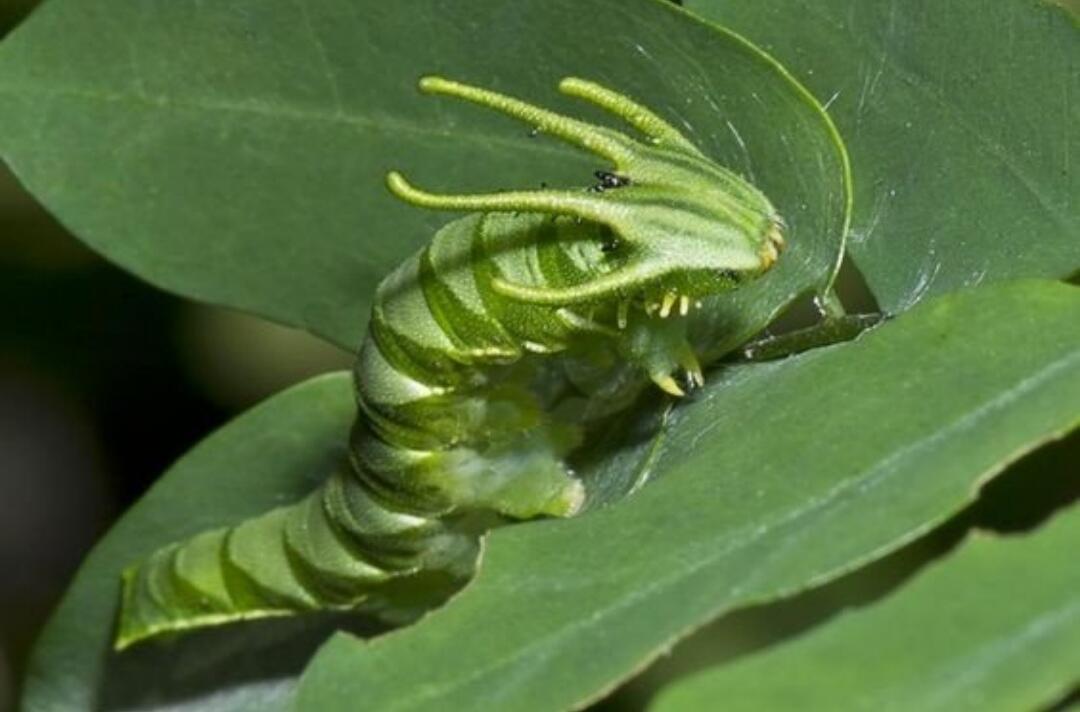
pixel 289 113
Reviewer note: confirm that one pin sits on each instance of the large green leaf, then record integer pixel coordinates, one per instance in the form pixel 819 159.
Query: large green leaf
pixel 778 477
pixel 274 454
pixel 235 151
pixel 996 626
pixel 963 126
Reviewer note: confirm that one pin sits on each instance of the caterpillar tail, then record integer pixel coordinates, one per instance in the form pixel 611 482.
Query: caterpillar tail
pixel 334 550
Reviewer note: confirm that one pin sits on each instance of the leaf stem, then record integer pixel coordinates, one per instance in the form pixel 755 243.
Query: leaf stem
pixel 829 305
pixel 830 330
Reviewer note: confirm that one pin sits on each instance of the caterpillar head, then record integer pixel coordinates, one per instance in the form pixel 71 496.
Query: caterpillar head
pixel 685 226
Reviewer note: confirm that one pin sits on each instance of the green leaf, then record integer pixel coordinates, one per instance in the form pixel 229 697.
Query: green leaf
pixel 995 626
pixel 963 127
pixel 273 454
pixel 236 152
pixel 778 477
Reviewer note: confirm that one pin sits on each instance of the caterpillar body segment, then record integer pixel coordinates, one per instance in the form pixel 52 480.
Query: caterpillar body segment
pixel 489 353
pixel 303 557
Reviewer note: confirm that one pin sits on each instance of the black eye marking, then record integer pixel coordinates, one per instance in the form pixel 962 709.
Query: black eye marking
pixel 609 181
pixel 609 240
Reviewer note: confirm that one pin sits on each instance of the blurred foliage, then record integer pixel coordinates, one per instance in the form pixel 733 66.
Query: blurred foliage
pixel 103 383
pixel 108 382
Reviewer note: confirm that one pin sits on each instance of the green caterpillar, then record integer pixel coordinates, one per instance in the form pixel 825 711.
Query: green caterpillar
pixel 488 354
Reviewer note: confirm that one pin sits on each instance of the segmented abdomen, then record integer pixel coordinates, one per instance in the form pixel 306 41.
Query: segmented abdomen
pixel 450 423
pixel 443 379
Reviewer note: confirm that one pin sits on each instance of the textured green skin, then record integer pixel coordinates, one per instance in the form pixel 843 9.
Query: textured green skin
pixel 487 355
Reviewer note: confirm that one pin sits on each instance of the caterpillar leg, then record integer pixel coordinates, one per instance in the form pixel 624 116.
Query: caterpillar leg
pixel 660 348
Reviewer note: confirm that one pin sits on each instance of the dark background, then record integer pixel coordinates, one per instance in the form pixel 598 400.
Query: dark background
pixel 104 381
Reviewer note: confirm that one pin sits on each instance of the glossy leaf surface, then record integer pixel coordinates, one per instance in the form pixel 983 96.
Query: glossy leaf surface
pixel 994 626
pixel 779 477
pixel 236 152
pixel 963 127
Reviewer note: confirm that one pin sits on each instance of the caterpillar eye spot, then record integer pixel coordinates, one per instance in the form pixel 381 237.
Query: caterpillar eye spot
pixel 609 181
pixel 609 240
